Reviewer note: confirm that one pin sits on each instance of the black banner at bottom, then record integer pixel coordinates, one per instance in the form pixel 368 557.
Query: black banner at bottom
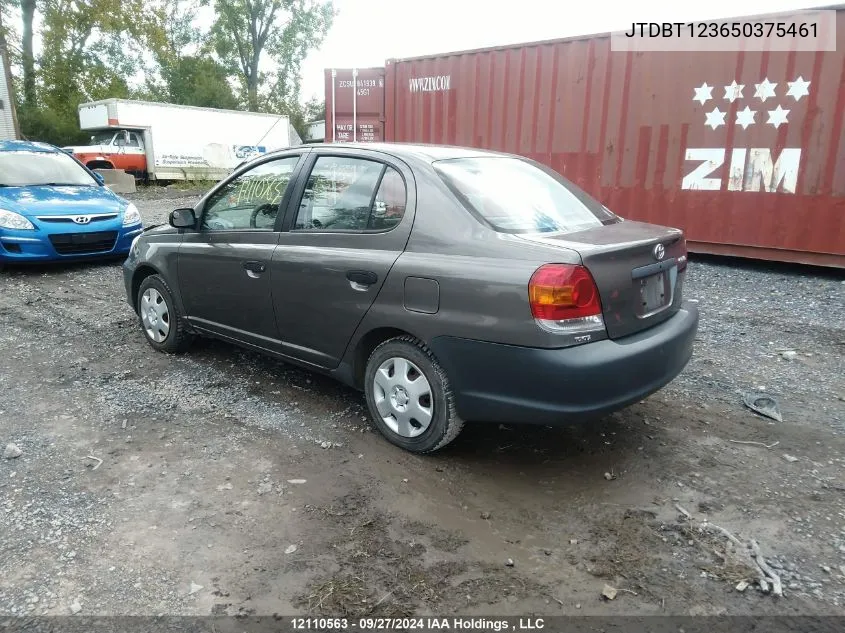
pixel 535 624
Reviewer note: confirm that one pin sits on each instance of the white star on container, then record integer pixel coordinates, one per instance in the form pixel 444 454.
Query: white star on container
pixel 777 116
pixel 765 89
pixel 715 118
pixel 798 88
pixel 734 91
pixel 745 117
pixel 703 93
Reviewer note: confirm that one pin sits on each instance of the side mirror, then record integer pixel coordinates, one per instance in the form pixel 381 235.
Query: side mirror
pixel 183 218
pixel 99 178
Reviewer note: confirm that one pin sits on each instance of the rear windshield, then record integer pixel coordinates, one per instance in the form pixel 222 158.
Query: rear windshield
pixel 517 196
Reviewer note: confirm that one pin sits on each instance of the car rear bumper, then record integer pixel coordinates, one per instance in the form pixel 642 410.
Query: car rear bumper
pixel 505 383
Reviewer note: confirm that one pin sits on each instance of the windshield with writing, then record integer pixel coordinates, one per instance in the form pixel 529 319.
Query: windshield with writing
pixel 516 196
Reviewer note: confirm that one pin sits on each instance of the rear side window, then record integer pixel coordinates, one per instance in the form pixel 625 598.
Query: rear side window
pixel 389 205
pixel 515 196
pixel 351 194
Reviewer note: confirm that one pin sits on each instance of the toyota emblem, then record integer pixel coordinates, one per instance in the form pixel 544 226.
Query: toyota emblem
pixel 82 219
pixel 659 252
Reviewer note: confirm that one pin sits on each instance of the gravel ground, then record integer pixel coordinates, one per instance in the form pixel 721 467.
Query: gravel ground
pixel 222 482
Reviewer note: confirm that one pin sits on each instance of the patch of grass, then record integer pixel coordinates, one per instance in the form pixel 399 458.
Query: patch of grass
pixel 726 563
pixel 185 185
pixel 626 546
pixel 443 540
pixel 381 575
pixel 342 595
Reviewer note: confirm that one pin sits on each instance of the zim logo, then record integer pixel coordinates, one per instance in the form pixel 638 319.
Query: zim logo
pixel 749 169
pixel 743 168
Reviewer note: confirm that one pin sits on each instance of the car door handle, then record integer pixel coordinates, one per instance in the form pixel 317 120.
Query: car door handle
pixel 254 268
pixel 362 277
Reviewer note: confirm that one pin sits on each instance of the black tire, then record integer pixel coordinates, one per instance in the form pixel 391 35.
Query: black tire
pixel 445 424
pixel 177 338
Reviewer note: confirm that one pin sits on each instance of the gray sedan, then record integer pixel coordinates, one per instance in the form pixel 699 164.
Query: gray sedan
pixel 447 284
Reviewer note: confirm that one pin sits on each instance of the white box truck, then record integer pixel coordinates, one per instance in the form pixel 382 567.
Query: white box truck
pixel 160 141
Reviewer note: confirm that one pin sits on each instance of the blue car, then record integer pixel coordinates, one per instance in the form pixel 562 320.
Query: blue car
pixel 52 208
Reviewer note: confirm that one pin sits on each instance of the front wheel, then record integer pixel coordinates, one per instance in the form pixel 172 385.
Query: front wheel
pixel 163 327
pixel 409 396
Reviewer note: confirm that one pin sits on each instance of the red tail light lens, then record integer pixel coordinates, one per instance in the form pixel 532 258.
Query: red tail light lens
pixel 558 292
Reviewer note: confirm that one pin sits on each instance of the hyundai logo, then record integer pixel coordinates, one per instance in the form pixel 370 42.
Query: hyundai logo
pixel 659 252
pixel 82 219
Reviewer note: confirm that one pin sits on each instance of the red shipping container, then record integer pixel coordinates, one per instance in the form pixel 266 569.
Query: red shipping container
pixel 744 150
pixel 354 105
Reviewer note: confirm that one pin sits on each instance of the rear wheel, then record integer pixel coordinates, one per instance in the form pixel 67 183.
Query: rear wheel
pixel 409 396
pixel 163 327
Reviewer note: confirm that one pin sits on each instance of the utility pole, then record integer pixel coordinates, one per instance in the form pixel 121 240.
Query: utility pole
pixel 5 69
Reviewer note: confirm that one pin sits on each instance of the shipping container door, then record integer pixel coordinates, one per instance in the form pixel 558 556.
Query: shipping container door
pixel 354 105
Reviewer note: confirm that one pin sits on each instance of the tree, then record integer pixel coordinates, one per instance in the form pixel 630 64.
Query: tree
pixel 89 51
pixel 315 110
pixel 92 47
pixel 198 81
pixel 185 73
pixel 65 52
pixel 286 30
pixel 27 55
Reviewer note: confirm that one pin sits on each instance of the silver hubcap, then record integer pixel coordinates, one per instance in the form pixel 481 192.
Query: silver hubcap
pixel 403 397
pixel 154 315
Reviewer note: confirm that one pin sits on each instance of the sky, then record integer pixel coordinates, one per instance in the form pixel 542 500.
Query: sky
pixel 368 32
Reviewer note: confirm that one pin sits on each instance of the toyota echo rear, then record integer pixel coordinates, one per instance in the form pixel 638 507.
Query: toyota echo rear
pixel 446 284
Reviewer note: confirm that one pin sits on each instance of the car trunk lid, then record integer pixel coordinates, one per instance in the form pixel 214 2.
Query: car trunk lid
pixel 638 281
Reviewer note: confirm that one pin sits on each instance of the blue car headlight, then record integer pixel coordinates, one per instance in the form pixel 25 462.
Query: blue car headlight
pixel 10 220
pixel 131 215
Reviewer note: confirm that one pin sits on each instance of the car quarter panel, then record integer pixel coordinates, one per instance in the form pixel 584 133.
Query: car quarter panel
pixel 482 276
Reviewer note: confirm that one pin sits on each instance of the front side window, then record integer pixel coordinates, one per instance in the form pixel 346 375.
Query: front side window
pixel 252 200
pixel 351 194
pixel 25 169
pixel 515 196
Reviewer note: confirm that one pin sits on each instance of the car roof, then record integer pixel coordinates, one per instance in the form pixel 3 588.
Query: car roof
pixel 420 151
pixel 28 146
pixel 426 151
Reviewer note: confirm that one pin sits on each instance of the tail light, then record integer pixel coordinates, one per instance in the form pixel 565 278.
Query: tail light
pixel 565 300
